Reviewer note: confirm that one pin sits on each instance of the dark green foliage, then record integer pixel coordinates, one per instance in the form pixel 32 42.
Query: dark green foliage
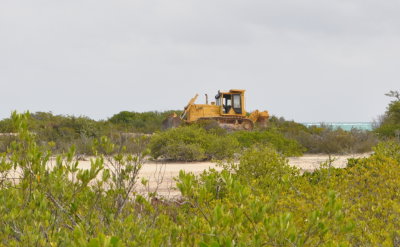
pixel 222 147
pixel 390 125
pixel 64 131
pixel 146 122
pixel 200 142
pixel 271 137
pixel 287 127
pixel 61 131
pixel 191 143
pixel 287 137
pixel 6 126
pixel 324 139
pixel 62 204
pixel 258 201
pixel 338 141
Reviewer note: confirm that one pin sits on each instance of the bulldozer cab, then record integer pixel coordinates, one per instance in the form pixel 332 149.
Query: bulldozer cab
pixel 231 103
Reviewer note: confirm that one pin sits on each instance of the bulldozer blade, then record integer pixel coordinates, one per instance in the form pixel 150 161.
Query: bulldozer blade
pixel 171 121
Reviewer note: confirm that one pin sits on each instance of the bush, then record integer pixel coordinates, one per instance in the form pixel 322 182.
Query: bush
pixel 261 201
pixel 222 147
pixel 5 142
pixel 288 147
pixel 390 123
pixel 264 165
pixel 145 122
pixel 390 149
pixel 288 137
pixel 183 152
pixel 191 143
pixel 6 126
pixel 324 139
pixel 244 207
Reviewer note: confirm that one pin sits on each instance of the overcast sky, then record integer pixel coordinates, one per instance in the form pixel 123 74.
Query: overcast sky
pixel 306 60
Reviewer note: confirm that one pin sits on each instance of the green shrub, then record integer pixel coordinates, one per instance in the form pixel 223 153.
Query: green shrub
pixel 5 142
pixel 390 149
pixel 183 152
pixel 222 147
pixel 265 166
pixel 289 128
pixel 81 131
pixel 259 201
pixel 191 143
pixel 390 124
pixel 324 139
pixel 172 144
pixel 238 208
pixel 288 147
pixel 6 126
pixel 145 122
pixel 337 141
pixel 288 137
pixel 388 130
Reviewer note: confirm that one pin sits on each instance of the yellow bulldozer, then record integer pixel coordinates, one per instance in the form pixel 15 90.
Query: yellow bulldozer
pixel 228 110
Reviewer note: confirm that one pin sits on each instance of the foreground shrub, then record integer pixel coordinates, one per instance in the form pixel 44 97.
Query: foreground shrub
pixel 370 192
pixel 57 203
pixel 243 207
pixel 363 211
pixel 390 149
pixel 259 201
pixel 265 166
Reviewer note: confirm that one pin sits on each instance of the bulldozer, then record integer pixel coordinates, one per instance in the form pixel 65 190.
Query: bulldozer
pixel 228 111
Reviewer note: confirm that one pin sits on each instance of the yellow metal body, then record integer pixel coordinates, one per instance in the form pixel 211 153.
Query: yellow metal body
pixel 228 110
pixel 194 112
pixel 202 111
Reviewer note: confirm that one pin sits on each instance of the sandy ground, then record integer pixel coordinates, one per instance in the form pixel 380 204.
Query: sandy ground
pixel 310 162
pixel 161 175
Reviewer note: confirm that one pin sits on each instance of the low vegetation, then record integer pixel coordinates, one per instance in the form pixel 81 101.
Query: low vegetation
pixel 258 201
pixel 389 124
pixel 199 142
pixel 325 139
pixel 63 131
pixel 191 143
pixel 146 122
pixel 202 141
pixel 196 142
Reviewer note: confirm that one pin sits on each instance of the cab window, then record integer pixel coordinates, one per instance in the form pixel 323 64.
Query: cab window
pixel 236 101
pixel 237 104
pixel 227 103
